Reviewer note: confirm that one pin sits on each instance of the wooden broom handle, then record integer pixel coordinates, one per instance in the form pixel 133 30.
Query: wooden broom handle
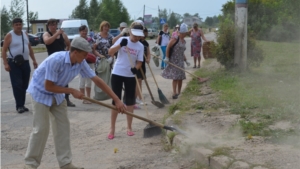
pixel 137 82
pixel 152 75
pixel 125 112
pixel 176 66
pixel 144 76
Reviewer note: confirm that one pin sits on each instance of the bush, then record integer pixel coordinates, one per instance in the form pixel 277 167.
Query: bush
pixel 224 49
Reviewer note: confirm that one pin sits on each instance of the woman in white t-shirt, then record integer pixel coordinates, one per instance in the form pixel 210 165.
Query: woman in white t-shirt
pixel 123 73
pixel 163 41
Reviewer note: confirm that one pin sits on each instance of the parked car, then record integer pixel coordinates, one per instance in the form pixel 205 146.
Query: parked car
pixel 40 35
pixel 70 27
pixel 114 32
pixel 152 33
pixel 34 40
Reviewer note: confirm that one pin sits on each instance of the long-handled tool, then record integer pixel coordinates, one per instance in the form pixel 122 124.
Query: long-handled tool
pixel 148 131
pixel 201 80
pixel 156 103
pixel 154 129
pixel 162 97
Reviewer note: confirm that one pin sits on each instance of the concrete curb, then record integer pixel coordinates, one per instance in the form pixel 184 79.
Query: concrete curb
pixel 204 156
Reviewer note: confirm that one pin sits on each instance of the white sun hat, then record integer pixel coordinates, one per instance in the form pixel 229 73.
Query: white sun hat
pixel 137 30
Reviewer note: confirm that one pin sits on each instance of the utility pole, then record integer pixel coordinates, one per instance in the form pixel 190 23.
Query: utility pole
pixel 27 16
pixel 240 43
pixel 158 18
pixel 144 14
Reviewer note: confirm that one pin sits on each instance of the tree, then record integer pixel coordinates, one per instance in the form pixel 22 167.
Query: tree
pixel 215 20
pixel 33 16
pixel 164 14
pixel 81 11
pixel 5 23
pixel 186 15
pixel 93 12
pixel 112 11
pixel 16 9
pixel 209 21
pixel 270 20
pixel 173 20
pixel 140 18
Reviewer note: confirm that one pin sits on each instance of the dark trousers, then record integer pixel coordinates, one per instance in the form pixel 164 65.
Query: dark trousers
pixel 19 77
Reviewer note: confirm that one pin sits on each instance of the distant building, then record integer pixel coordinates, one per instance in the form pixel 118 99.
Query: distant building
pixel 191 20
pixel 40 25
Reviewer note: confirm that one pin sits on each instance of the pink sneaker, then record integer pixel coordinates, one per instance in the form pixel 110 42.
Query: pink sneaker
pixel 136 106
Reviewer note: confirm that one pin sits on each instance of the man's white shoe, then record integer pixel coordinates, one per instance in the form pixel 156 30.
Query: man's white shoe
pixel 70 166
pixel 29 167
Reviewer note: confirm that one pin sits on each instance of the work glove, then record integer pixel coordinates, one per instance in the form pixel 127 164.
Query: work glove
pixel 109 60
pixel 166 60
pixel 188 63
pixel 125 31
pixel 124 42
pixel 133 70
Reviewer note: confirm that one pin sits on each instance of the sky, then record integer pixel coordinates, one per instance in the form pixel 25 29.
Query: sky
pixel 62 9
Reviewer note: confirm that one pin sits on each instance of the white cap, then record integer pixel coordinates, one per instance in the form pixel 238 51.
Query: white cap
pixel 140 21
pixel 123 25
pixel 137 30
pixel 183 28
pixel 177 26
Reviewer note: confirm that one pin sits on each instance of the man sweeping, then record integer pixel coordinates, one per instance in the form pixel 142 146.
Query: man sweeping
pixel 47 89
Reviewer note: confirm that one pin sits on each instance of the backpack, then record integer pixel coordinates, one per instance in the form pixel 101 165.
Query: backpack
pixel 172 47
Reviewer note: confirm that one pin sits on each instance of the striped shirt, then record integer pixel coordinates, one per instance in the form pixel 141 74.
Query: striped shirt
pixel 58 69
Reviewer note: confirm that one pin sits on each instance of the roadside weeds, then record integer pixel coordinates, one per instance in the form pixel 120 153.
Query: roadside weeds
pixel 263 104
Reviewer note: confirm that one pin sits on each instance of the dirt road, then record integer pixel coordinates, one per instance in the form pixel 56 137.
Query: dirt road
pixel 89 128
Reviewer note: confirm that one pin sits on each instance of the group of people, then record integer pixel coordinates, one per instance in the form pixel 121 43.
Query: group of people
pixel 117 61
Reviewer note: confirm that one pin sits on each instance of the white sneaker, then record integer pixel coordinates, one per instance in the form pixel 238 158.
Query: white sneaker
pixel 138 101
pixel 188 63
pixel 29 167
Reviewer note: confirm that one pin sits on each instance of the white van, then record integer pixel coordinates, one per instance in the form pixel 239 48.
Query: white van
pixel 71 27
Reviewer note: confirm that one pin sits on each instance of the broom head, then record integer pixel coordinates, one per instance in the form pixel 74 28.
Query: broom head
pixel 162 97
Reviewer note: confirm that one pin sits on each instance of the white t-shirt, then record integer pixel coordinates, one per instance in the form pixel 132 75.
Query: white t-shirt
pixel 122 65
pixel 165 38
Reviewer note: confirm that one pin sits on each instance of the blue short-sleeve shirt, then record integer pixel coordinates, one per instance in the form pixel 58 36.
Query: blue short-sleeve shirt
pixel 58 69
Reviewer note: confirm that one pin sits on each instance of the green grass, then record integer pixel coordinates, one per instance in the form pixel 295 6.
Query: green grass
pixel 39 50
pixel 268 93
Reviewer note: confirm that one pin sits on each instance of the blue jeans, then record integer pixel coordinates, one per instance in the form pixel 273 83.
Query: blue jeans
pixel 163 48
pixel 19 77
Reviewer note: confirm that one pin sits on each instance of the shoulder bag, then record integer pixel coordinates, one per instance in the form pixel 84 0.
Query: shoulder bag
pixel 18 59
